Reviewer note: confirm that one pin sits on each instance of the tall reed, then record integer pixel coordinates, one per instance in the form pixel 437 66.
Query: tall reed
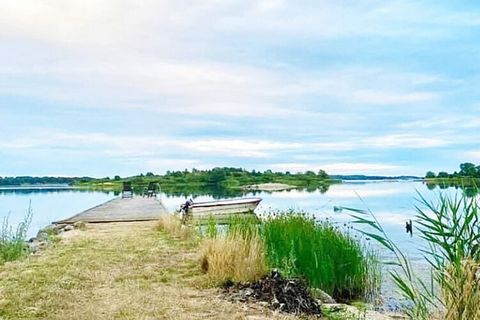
pixel 327 257
pixel 451 228
pixel 13 240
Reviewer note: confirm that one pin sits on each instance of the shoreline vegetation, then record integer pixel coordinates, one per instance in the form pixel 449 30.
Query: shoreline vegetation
pixel 467 179
pixel 323 259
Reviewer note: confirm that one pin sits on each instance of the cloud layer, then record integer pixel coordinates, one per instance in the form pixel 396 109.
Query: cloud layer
pixel 122 87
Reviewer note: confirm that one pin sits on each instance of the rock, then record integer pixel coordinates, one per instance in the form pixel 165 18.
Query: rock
pixel 80 225
pixel 68 227
pixel 36 246
pixel 344 311
pixel 322 296
pixel 248 292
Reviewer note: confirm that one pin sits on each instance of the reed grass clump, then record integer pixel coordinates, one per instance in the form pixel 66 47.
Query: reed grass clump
pixel 13 240
pixel 236 256
pixel 461 290
pixel 327 257
pixel 450 225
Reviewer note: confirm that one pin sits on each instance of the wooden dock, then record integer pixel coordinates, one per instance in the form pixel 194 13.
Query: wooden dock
pixel 121 210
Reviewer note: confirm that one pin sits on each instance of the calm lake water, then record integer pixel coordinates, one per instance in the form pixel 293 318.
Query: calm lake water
pixel 393 203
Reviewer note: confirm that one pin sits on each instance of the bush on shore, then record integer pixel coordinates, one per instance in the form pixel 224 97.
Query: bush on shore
pixel 13 241
pixel 327 257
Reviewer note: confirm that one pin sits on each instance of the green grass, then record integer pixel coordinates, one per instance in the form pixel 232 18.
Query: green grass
pixel 12 241
pixel 327 257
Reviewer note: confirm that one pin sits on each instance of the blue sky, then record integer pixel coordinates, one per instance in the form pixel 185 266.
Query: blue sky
pixel 122 87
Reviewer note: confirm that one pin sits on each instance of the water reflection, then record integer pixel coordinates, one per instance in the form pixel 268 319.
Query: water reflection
pixel 46 190
pixel 468 189
pixel 218 192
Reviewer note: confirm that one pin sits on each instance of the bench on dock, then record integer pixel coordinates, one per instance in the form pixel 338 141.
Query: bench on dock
pixel 152 190
pixel 127 191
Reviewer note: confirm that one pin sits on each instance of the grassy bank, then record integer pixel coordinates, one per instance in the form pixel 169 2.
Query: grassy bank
pixel 116 271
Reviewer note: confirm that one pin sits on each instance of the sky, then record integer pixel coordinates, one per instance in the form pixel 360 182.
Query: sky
pixel 100 88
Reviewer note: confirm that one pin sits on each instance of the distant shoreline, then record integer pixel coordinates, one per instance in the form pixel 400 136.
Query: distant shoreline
pixel 270 187
pixel 36 186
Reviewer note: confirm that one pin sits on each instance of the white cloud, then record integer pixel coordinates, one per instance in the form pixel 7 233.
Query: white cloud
pixel 471 156
pixel 448 122
pixel 407 141
pixel 341 168
pixel 155 55
pixel 237 148
pixel 366 168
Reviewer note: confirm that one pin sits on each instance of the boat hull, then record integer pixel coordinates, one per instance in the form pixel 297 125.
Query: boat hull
pixel 223 209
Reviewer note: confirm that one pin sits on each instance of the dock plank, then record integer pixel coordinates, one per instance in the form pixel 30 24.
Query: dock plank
pixel 121 210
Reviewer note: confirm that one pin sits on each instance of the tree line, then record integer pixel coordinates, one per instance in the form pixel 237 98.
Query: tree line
pixel 467 170
pixel 27 180
pixel 224 177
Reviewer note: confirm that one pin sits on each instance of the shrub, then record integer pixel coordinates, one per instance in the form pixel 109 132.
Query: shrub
pixel 12 242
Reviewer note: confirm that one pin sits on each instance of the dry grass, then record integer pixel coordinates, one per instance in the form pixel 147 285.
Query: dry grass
pixel 115 271
pixel 234 257
pixel 172 225
pixel 461 291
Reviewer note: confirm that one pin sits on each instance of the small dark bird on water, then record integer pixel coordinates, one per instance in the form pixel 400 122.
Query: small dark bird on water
pixel 409 227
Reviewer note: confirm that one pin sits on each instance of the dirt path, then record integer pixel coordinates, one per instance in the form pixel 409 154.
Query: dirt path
pixel 115 271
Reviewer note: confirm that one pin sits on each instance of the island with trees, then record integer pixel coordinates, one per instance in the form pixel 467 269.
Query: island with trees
pixel 221 181
pixel 224 181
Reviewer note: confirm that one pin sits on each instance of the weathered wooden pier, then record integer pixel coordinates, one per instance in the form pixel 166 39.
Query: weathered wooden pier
pixel 121 210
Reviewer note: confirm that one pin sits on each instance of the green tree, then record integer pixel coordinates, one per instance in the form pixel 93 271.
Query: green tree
pixel 443 174
pixel 430 175
pixel 468 169
pixel 322 174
